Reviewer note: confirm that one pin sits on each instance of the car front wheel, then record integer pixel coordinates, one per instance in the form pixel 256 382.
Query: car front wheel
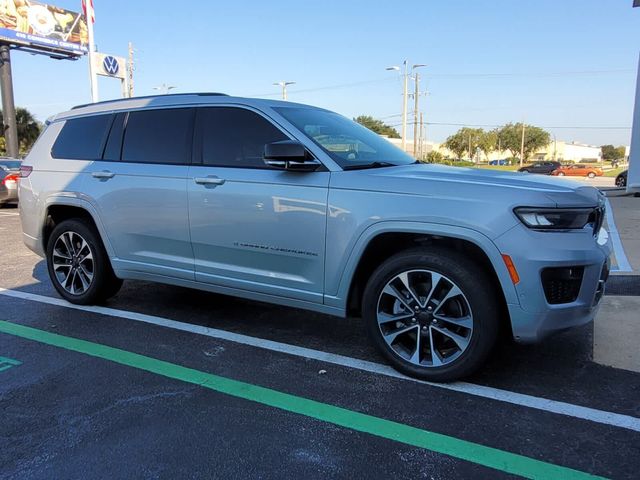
pixel 591 175
pixel 78 264
pixel 432 313
pixel 561 174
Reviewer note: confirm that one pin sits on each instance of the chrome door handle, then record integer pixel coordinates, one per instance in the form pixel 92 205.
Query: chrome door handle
pixel 105 174
pixel 212 180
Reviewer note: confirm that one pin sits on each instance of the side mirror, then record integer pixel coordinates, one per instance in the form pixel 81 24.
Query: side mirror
pixel 289 155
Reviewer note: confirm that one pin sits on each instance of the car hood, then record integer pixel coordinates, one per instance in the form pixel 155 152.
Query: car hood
pixel 433 180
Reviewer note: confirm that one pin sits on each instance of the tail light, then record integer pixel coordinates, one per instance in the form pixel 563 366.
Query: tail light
pixel 25 171
pixel 13 178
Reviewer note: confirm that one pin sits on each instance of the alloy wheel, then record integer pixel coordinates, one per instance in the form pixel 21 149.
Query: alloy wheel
pixel 425 318
pixel 73 263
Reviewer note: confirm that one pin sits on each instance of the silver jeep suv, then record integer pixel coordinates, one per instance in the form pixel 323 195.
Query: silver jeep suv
pixel 299 206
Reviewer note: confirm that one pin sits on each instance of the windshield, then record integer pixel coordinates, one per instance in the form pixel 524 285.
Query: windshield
pixel 348 143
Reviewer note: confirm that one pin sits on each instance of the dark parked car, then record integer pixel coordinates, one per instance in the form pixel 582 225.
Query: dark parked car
pixel 9 164
pixel 544 168
pixel 621 179
pixel 8 187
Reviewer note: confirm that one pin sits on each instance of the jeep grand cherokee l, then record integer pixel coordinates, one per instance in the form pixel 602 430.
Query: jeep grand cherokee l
pixel 299 206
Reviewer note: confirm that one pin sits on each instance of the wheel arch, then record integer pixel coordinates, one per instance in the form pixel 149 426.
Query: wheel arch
pixel 59 209
pixel 385 239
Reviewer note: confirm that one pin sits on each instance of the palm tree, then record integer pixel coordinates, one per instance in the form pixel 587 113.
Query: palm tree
pixel 28 129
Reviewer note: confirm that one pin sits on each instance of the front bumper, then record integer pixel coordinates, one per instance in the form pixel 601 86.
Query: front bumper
pixel 534 318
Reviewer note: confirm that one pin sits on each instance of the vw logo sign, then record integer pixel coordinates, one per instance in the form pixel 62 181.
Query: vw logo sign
pixel 110 65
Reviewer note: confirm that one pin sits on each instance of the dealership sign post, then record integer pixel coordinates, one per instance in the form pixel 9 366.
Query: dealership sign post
pixel 39 28
pixel 114 67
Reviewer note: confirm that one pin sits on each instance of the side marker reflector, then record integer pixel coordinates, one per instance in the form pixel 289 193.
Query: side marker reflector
pixel 513 273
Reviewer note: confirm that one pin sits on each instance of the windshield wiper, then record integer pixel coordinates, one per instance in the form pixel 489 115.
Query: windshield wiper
pixel 363 166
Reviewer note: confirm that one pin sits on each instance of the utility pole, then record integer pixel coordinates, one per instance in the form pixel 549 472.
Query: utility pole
pixel 8 106
pixel 284 84
pixel 416 96
pixel 130 70
pixel 421 148
pixel 405 95
pixel 522 146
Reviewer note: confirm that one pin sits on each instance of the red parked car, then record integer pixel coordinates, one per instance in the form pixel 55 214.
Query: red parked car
pixel 578 170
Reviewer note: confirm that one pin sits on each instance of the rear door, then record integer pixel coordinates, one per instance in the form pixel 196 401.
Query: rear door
pixel 139 188
pixel 253 227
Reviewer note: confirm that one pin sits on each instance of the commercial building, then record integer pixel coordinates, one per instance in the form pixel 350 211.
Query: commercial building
pixel 569 152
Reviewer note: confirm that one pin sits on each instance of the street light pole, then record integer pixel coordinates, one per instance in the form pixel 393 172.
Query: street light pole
pixel 164 88
pixel 284 84
pixel 522 146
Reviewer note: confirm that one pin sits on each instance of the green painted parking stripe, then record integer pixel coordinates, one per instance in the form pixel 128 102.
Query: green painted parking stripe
pixel 7 363
pixel 472 452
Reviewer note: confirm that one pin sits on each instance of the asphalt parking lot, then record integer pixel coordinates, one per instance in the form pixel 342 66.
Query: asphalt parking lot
pixel 166 382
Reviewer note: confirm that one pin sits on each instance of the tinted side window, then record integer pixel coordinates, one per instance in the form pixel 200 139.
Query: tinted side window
pixel 158 136
pixel 235 137
pixel 82 138
pixel 113 148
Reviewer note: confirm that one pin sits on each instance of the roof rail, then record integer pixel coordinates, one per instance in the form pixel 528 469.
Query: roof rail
pixel 200 94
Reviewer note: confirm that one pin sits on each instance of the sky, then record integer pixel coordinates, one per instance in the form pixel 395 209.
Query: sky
pixel 569 66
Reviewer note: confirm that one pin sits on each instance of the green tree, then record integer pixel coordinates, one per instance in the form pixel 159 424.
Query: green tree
pixel 609 152
pixel 534 139
pixel 466 140
pixel 377 126
pixel 435 157
pixel 488 142
pixel 28 130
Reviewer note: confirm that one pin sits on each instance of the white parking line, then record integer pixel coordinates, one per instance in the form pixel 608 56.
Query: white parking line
pixel 618 249
pixel 530 401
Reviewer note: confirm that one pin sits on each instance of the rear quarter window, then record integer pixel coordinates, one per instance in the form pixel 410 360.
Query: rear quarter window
pixel 82 138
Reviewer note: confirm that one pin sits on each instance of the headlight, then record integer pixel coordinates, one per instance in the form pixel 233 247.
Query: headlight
pixel 555 218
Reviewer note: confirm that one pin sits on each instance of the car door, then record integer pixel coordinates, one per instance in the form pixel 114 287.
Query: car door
pixel 253 227
pixel 139 188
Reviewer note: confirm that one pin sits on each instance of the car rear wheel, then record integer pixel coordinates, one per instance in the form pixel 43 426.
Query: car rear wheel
pixel 591 175
pixel 561 174
pixel 78 264
pixel 432 313
pixel 621 181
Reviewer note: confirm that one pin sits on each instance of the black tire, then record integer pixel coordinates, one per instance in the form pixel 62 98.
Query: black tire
pixel 104 283
pixel 474 284
pixel 591 175
pixel 621 182
pixel 525 171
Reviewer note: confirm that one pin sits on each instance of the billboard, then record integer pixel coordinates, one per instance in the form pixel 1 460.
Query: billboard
pixel 41 27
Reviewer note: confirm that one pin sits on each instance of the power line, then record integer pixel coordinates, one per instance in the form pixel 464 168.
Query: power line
pixel 455 75
pixel 576 127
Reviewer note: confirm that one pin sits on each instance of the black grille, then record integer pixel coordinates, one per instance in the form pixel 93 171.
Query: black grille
pixel 562 284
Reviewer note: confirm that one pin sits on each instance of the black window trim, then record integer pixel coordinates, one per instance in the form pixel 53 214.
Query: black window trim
pixel 197 157
pixel 106 140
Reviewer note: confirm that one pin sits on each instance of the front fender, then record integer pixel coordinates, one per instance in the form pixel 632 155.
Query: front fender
pixel 483 242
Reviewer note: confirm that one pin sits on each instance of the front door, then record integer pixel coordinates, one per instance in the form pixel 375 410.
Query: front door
pixel 253 227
